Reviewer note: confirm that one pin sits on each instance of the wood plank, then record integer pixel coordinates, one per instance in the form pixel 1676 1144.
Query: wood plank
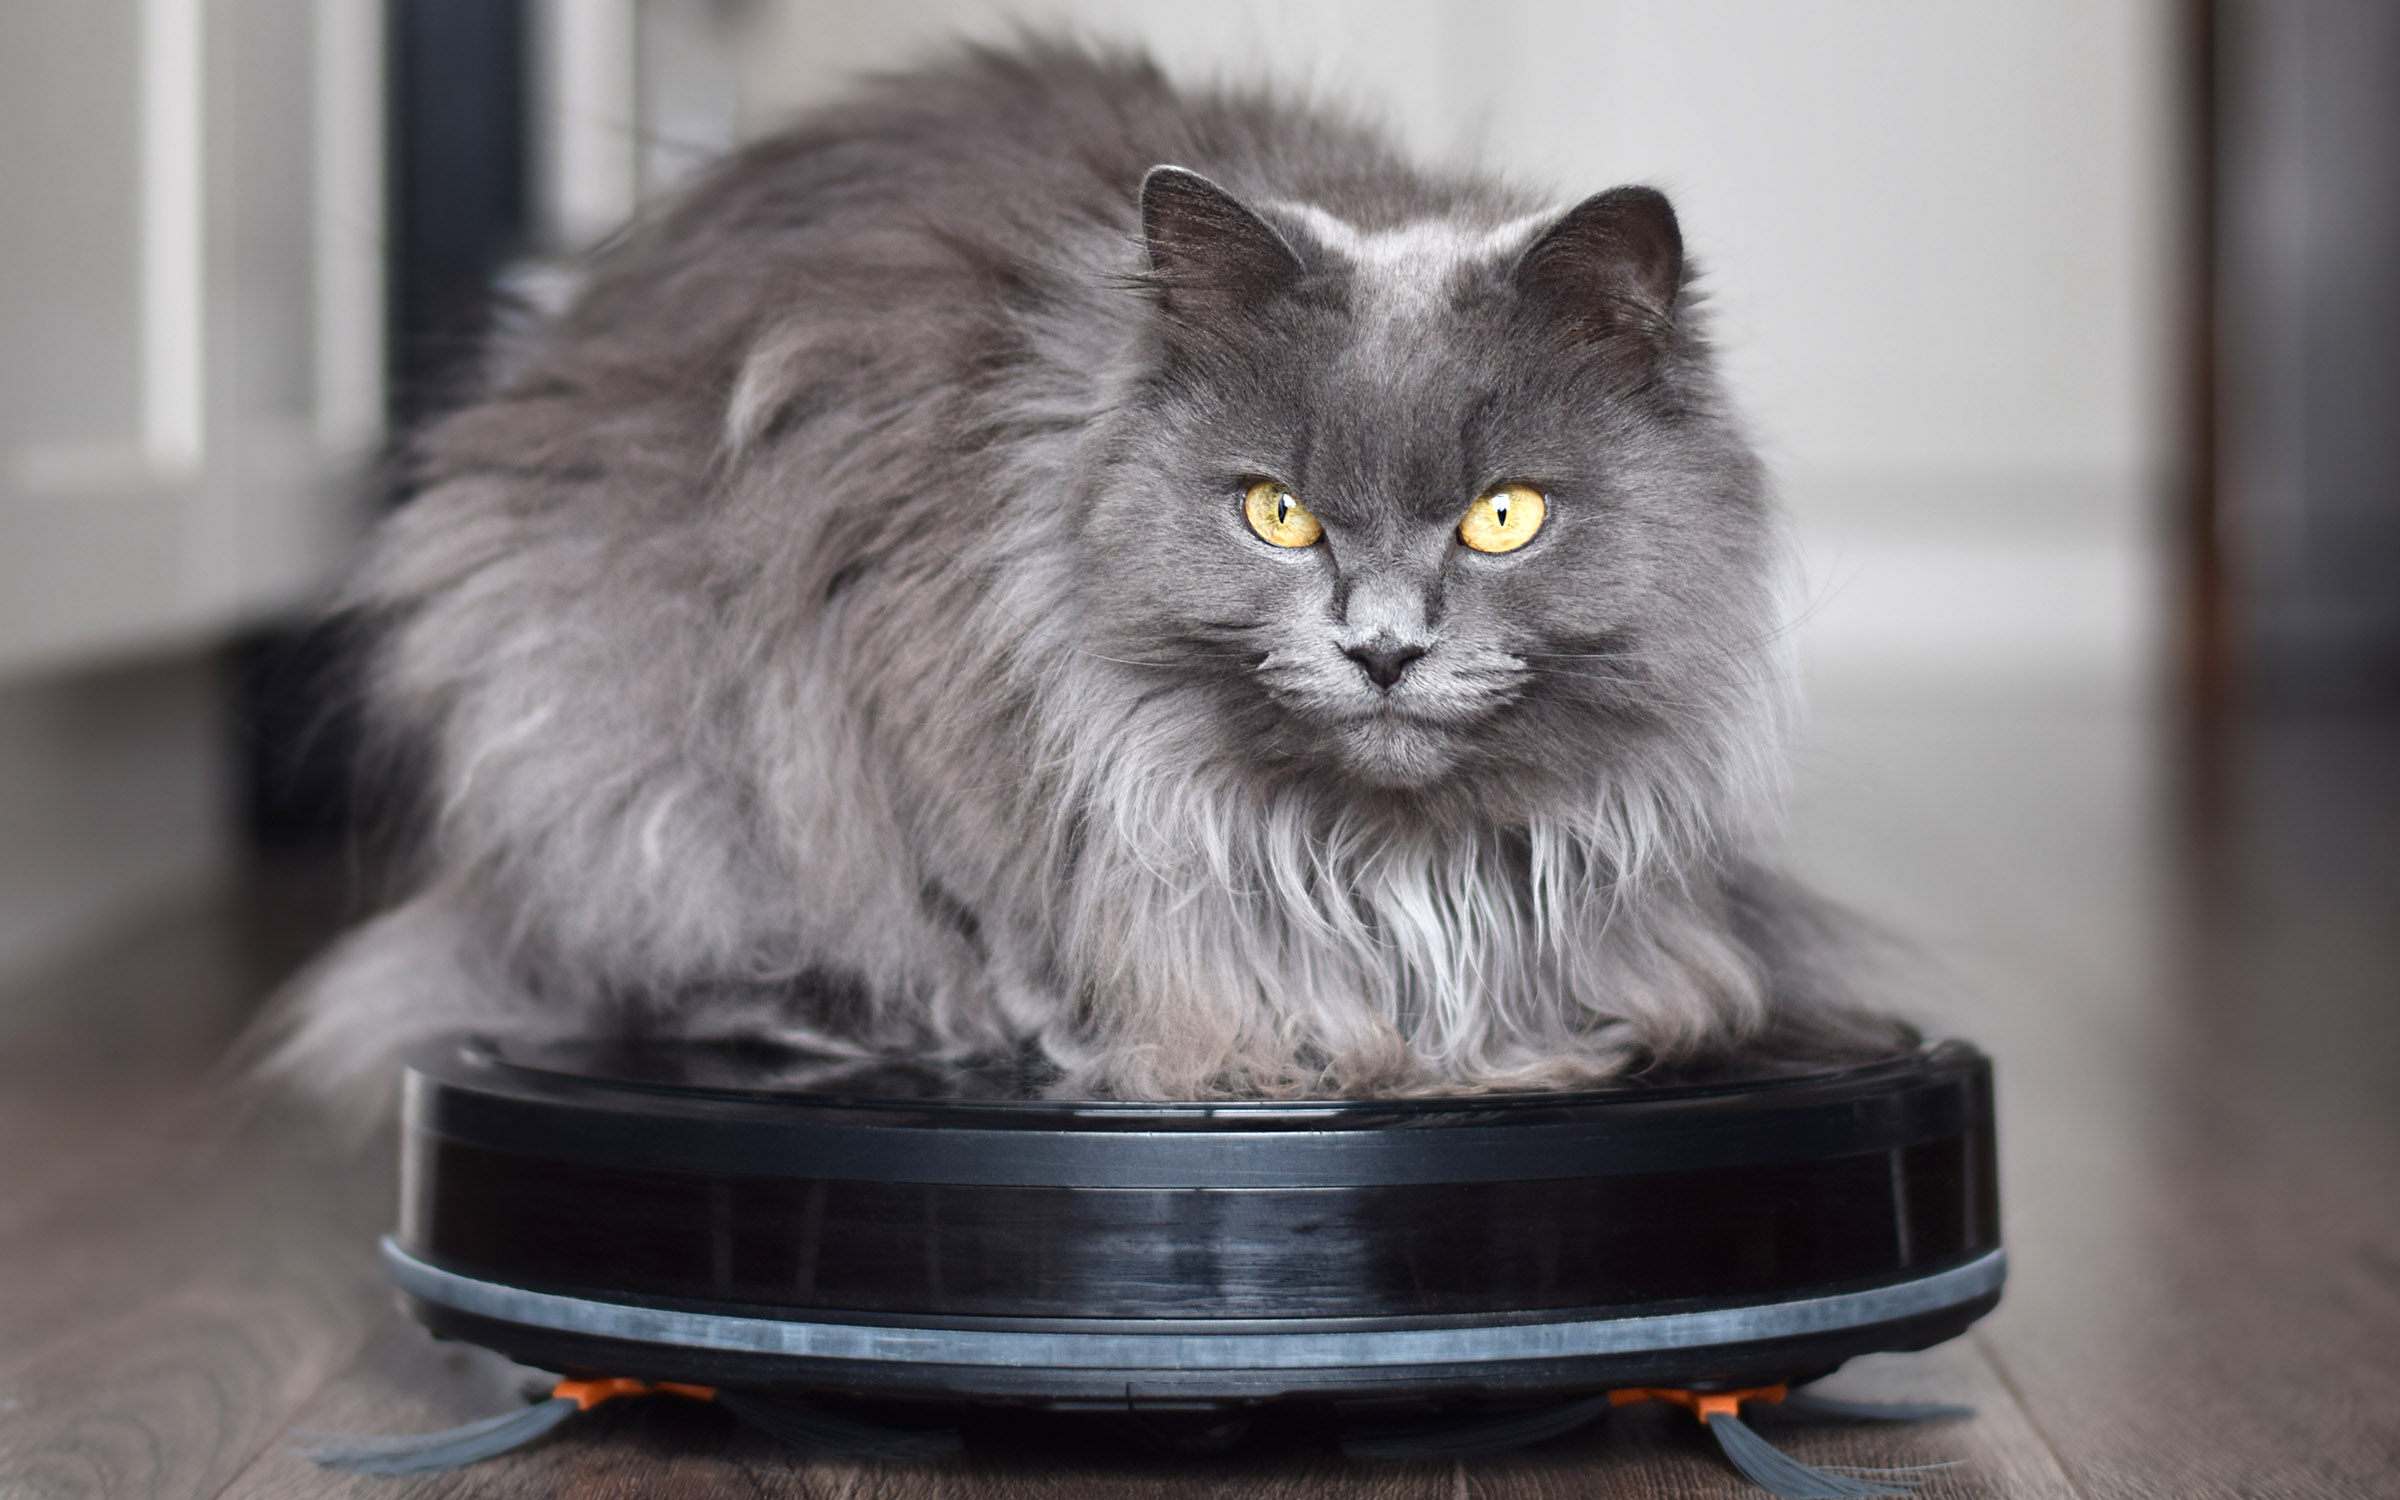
pixel 155 1348
pixel 162 1216
pixel 176 1273
pixel 2199 1070
pixel 103 1055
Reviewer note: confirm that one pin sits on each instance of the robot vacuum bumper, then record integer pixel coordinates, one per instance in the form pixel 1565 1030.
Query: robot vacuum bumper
pixel 679 1214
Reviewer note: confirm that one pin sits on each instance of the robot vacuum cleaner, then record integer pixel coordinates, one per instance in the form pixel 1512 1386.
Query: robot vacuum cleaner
pixel 677 1213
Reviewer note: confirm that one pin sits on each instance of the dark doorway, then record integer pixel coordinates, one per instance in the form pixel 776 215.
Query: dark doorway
pixel 458 207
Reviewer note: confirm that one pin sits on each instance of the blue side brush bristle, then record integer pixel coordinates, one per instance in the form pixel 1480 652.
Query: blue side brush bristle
pixel 1810 1404
pixel 1778 1473
pixel 427 1452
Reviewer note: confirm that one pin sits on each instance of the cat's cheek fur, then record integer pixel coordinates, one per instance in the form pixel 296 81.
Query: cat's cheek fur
pixel 837 629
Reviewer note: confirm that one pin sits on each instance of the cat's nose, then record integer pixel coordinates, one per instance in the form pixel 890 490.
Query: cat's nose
pixel 1384 659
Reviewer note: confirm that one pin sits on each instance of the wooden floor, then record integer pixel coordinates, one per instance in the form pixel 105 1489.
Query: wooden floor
pixel 2191 997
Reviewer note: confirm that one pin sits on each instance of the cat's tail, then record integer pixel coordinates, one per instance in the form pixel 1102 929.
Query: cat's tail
pixel 1841 987
pixel 332 1038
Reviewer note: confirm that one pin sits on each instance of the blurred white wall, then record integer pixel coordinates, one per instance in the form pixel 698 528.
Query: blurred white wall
pixel 190 314
pixel 1936 239
pixel 191 377
pixel 112 792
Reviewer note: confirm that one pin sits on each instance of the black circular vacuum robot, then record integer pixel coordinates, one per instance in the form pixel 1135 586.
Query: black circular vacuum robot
pixel 675 1213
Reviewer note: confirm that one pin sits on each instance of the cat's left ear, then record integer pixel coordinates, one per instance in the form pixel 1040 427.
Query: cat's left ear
pixel 1208 251
pixel 1611 264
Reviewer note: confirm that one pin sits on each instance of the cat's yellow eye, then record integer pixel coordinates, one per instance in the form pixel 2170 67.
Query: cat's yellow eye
pixel 1277 515
pixel 1504 519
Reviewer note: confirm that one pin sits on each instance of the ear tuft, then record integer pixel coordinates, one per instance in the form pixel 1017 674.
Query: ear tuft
pixel 1207 249
pixel 1612 263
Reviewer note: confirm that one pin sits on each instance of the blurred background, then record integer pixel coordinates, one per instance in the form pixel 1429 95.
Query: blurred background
pixel 2071 327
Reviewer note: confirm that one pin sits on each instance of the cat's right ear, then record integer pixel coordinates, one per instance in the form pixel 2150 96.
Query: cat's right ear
pixel 1209 254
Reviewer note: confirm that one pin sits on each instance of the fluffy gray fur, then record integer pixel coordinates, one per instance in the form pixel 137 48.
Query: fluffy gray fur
pixel 839 624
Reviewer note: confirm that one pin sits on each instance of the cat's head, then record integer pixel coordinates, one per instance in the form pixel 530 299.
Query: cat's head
pixel 1446 510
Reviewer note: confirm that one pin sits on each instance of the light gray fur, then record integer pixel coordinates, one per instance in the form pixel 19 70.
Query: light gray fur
pixel 838 625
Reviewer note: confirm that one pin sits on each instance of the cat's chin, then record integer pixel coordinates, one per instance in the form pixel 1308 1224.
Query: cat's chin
pixel 1392 753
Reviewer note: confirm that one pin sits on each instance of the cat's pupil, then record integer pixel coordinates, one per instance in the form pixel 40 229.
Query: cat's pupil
pixel 1283 508
pixel 1500 509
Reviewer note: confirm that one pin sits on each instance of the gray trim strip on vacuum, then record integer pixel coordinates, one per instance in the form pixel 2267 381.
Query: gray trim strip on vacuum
pixel 1187 1351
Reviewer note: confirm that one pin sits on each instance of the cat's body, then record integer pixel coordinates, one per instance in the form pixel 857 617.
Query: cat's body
pixel 841 624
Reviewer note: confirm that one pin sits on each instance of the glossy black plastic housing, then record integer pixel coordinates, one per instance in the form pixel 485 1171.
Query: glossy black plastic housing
pixel 675 1185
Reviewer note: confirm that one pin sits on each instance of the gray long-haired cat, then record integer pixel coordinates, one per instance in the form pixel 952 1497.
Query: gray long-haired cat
pixel 1032 563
